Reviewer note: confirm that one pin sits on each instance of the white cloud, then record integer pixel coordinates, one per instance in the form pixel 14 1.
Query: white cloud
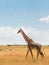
pixel 44 19
pixel 8 35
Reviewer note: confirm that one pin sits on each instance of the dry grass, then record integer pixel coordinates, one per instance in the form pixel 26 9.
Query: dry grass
pixel 15 55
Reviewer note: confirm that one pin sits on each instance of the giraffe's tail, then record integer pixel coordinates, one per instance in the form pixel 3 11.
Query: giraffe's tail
pixel 41 53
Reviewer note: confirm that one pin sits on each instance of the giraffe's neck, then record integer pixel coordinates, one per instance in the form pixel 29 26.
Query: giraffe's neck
pixel 27 39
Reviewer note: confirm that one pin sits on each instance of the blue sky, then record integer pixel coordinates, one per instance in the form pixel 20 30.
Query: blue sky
pixel 25 13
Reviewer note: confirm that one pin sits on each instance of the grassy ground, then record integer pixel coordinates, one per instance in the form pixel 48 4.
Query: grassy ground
pixel 15 55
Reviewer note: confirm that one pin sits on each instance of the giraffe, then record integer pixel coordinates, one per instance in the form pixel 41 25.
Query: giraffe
pixel 31 44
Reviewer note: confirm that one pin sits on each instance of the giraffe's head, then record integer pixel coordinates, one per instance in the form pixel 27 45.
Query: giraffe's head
pixel 20 30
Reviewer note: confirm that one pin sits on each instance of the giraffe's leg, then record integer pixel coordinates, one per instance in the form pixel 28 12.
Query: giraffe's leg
pixel 31 52
pixel 37 54
pixel 27 53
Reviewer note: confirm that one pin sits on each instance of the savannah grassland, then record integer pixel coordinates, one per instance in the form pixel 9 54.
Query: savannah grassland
pixel 15 55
